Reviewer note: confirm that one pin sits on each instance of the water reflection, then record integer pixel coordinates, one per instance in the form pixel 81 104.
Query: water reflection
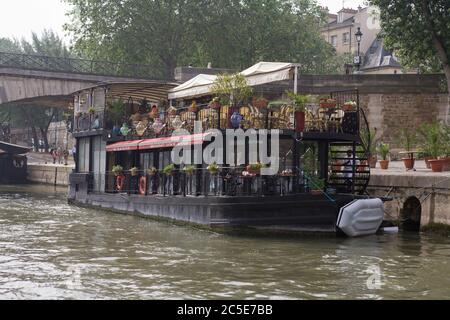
pixel 50 250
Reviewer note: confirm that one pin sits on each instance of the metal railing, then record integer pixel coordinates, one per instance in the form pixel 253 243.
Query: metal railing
pixel 79 66
pixel 199 182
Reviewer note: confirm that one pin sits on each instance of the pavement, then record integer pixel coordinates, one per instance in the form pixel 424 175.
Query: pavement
pixel 45 159
pixel 398 168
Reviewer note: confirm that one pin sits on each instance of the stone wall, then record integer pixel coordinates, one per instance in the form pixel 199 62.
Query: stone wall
pixel 49 174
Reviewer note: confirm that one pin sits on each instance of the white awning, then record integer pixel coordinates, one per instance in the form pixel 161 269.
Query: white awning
pixel 260 73
pixel 195 87
pixel 267 72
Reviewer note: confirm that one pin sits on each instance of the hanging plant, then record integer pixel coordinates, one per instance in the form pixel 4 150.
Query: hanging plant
pixel 152 171
pixel 117 170
pixel 168 170
pixel 189 170
pixel 91 110
pixel 172 111
pixel 213 168
pixel 134 171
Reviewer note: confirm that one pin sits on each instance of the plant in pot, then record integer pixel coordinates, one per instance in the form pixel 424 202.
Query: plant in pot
pixel 408 138
pixel 432 141
pixel 369 141
pixel 193 107
pixel 383 149
pixel 215 103
pixel 260 103
pixel 117 170
pixel 152 171
pixel 189 170
pixel 254 168
pixel 349 106
pixel 213 168
pixel 134 171
pixel 316 185
pixel 169 169
pixel 300 102
pixel 232 88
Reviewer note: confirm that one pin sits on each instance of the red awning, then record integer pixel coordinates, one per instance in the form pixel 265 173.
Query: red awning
pixel 123 146
pixel 170 142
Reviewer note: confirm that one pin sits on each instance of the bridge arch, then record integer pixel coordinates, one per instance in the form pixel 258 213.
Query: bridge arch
pixel 411 214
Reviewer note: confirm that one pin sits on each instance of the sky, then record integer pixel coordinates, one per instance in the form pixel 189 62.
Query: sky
pixel 19 17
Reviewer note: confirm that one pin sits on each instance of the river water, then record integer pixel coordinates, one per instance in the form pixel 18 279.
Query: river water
pixel 50 250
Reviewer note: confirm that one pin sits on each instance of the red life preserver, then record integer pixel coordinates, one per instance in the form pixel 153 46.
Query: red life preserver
pixel 143 185
pixel 120 181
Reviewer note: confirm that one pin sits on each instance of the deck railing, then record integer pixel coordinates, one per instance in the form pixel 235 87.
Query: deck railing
pixel 200 182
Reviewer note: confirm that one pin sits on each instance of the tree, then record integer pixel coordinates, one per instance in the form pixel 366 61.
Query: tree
pixel 419 33
pixel 8 45
pixel 228 33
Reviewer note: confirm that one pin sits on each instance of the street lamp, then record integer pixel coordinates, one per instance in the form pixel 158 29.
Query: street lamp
pixel 358 35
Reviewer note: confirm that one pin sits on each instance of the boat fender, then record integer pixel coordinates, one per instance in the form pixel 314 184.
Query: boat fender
pixel 143 185
pixel 361 217
pixel 120 181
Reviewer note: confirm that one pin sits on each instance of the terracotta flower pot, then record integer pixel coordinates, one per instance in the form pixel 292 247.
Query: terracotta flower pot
pixel 316 192
pixel 299 121
pixel 384 164
pixel 427 162
pixel 437 165
pixel 409 163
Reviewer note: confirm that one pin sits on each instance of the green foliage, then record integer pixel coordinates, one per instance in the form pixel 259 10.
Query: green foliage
pixel 231 88
pixel 8 45
pixel 117 170
pixel 432 139
pixel 316 183
pixel 299 100
pixel 189 170
pixel 418 31
pixel 407 138
pixel 134 171
pixel 384 150
pixel 213 168
pixel 229 33
pixel 116 110
pixel 369 140
pixel 168 170
pixel 152 171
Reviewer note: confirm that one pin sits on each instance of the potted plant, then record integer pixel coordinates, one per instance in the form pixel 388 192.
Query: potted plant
pixel 193 107
pixel 349 106
pixel 327 103
pixel 408 139
pixel 369 141
pixel 169 169
pixel 260 103
pixel 213 168
pixel 433 142
pixel 232 89
pixel 116 111
pixel 316 186
pixel 254 168
pixel 215 103
pixel 152 171
pixel 172 111
pixel 91 110
pixel 189 170
pixel 134 171
pixel 383 149
pixel 117 170
pixel 300 102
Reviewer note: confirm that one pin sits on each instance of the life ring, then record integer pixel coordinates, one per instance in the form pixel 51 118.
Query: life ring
pixel 143 185
pixel 120 181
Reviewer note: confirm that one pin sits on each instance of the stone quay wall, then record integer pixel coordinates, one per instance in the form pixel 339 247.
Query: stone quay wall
pixel 49 174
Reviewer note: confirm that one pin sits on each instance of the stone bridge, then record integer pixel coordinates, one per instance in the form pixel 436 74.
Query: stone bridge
pixel 420 197
pixel 51 80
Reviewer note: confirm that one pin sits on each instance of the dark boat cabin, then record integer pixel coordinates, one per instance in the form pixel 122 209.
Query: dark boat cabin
pixel 13 163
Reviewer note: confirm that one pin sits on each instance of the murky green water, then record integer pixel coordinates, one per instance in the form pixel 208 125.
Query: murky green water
pixel 50 250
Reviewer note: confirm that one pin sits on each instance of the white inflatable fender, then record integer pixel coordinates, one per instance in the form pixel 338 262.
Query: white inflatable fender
pixel 361 217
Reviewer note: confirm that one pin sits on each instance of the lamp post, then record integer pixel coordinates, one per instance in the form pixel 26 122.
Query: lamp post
pixel 358 35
